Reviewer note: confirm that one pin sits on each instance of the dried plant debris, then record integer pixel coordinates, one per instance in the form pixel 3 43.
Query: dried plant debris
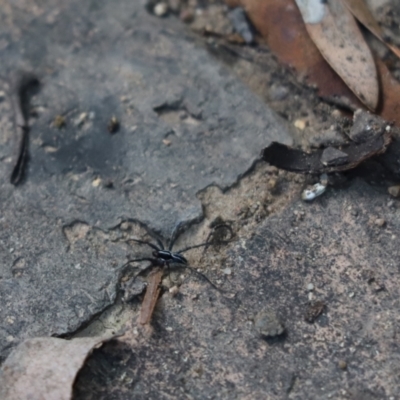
pixel 336 34
pixel 368 137
pixel 313 311
pixel 23 86
pixel 59 122
pixel 113 125
pixel 45 368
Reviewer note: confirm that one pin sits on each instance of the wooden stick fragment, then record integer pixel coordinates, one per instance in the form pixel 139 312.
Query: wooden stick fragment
pixel 150 298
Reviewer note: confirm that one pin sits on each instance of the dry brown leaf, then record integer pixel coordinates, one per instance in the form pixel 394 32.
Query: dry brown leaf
pixel 280 24
pixel 45 368
pixel 335 32
pixel 361 11
pixel 389 107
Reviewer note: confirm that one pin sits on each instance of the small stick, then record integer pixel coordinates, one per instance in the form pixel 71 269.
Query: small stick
pixel 20 97
pixel 150 298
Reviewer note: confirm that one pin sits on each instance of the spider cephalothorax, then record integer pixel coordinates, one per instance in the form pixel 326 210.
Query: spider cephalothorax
pixel 162 257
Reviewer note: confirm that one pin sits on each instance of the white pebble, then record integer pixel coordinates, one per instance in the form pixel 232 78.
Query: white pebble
pixel 310 287
pixel 174 290
pixel 160 9
pixel 315 191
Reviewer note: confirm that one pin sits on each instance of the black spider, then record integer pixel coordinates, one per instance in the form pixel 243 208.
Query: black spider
pixel 162 257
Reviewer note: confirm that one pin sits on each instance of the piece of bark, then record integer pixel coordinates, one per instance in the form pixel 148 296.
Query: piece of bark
pixel 290 159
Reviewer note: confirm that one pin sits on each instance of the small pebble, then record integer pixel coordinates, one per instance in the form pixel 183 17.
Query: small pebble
pixel 300 124
pixel 314 191
pixel 310 287
pixel 268 324
pixel 174 290
pixel 380 222
pixel 124 226
pixel 241 25
pixel 394 191
pixel 227 271
pixel 271 184
pixel 351 295
pixel 169 329
pixel 342 365
pixel 113 125
pixel 160 9
pixel 50 149
pixel 278 93
pixel 96 182
pixel 81 119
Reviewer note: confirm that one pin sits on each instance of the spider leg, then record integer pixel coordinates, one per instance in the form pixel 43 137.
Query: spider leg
pixel 149 267
pixel 175 234
pixel 152 235
pixel 153 246
pixel 209 242
pixel 135 260
pixel 202 245
pixel 167 265
pixel 200 275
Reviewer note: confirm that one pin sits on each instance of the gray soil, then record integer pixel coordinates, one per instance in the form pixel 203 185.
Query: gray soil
pixel 308 299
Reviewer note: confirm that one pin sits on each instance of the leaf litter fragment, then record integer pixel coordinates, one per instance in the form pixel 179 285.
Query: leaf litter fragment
pixel 281 26
pixel 361 11
pixel 45 368
pixel 335 32
pixel 369 137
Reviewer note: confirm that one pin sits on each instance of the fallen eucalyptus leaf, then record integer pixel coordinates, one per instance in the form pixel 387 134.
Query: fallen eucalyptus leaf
pixel 389 107
pixel 280 24
pixel 45 368
pixel 361 11
pixel 335 32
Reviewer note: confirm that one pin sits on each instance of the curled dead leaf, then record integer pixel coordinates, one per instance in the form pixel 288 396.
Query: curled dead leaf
pixel 45 368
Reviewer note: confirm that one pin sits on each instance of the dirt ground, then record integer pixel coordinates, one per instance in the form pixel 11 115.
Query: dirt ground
pixel 308 293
